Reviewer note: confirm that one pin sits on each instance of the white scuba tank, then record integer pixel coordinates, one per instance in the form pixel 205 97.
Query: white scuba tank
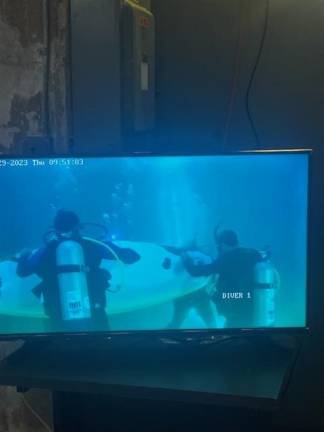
pixel 72 281
pixel 265 290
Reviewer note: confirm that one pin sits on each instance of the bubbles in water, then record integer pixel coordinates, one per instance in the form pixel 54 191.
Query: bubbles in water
pixel 130 189
pixel 106 217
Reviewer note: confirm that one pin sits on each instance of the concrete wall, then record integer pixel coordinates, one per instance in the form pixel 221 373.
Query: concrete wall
pixel 33 72
pixel 22 68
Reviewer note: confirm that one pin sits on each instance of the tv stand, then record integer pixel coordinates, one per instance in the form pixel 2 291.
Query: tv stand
pixel 59 349
pixel 248 372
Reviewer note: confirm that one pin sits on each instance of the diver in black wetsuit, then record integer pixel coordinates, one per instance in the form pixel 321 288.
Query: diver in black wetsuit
pixel 42 262
pixel 199 300
pixel 235 286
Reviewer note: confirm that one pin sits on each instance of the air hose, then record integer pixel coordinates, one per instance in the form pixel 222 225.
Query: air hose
pixel 120 262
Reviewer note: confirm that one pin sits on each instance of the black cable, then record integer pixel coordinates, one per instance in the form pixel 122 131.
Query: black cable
pixel 35 414
pixel 254 71
pixel 235 79
pixel 293 366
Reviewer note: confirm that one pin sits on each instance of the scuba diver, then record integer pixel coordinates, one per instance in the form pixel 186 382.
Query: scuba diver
pixel 73 287
pixel 235 285
pixel 200 300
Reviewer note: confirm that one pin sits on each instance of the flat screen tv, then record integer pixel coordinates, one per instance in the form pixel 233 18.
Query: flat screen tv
pixel 148 243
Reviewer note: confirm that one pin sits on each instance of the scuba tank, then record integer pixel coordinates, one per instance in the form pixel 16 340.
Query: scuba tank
pixel 72 281
pixel 266 283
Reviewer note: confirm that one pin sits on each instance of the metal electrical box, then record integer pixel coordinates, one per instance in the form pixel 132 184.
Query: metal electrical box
pixel 96 75
pixel 138 68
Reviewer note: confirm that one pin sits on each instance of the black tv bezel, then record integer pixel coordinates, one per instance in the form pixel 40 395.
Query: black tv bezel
pixel 182 333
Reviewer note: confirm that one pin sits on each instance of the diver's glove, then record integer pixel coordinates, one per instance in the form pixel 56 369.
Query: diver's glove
pixel 25 253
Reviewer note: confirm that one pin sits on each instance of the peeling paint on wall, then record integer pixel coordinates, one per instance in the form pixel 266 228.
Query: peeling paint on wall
pixel 34 73
pixel 59 98
pixel 21 75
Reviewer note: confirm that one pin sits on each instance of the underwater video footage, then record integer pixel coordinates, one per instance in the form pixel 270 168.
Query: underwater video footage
pixel 153 243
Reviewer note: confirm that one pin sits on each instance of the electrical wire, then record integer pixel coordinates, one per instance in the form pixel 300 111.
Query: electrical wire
pixel 35 414
pixel 253 75
pixel 235 79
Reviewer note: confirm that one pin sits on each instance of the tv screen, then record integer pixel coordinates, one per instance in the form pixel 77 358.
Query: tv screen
pixel 159 243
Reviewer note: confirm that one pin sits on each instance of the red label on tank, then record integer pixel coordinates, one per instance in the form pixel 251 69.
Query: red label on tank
pixel 144 22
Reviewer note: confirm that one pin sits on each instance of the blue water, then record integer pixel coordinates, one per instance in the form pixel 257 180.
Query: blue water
pixel 174 201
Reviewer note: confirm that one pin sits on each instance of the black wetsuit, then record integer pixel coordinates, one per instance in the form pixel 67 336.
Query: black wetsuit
pixel 235 287
pixel 199 300
pixel 42 262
